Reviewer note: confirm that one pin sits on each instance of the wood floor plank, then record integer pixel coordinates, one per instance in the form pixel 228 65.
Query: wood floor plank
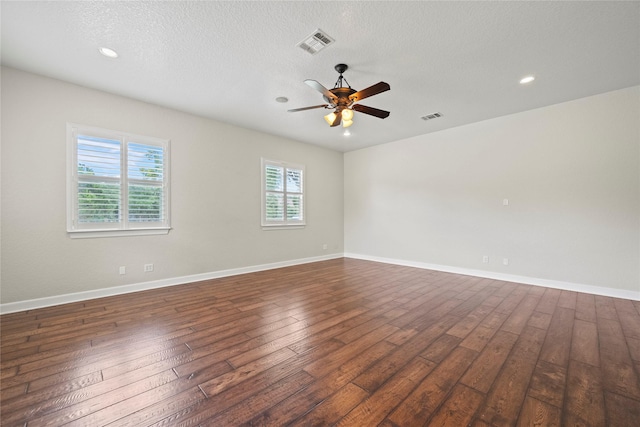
pixel 376 375
pixel 334 408
pixel 459 408
pixel 605 308
pixel 66 409
pixel 634 349
pixel 324 331
pixel 621 411
pixel 485 368
pixel 401 336
pixel 628 317
pixel 586 307
pixel 539 320
pixel 568 299
pixel 584 346
pixel 376 407
pixel 441 348
pixel 333 361
pixel 520 315
pixel 483 333
pixel 585 397
pixel 269 396
pixel 511 301
pixel 154 412
pixel 557 344
pixel 57 393
pixel 272 342
pixel 618 372
pixel 11 392
pixel 219 384
pixel 429 394
pixel 470 321
pixel 507 393
pixel 549 301
pixel 298 405
pixel 548 383
pixel 537 413
pixel 230 397
pixel 338 342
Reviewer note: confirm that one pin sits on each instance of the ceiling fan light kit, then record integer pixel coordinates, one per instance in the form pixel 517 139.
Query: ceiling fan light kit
pixel 330 118
pixel 343 100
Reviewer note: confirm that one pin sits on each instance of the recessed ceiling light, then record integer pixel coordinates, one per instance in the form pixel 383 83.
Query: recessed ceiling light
pixel 282 99
pixel 527 79
pixel 109 53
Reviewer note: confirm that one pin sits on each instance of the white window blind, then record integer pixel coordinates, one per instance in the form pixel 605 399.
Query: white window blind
pixel 118 182
pixel 283 194
pixel 145 170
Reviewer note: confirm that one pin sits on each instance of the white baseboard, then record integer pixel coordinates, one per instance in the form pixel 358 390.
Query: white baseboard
pixel 567 286
pixel 13 307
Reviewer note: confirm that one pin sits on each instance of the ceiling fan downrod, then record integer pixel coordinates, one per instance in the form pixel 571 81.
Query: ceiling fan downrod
pixel 341 68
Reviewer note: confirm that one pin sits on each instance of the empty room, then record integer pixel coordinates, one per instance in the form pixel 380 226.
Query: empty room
pixel 318 213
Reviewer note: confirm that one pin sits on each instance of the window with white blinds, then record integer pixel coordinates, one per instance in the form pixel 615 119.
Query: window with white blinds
pixel 282 194
pixel 118 183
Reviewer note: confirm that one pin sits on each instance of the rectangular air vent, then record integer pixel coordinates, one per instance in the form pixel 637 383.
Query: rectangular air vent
pixel 431 116
pixel 316 41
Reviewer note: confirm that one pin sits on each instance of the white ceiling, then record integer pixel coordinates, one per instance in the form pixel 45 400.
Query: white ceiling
pixel 230 60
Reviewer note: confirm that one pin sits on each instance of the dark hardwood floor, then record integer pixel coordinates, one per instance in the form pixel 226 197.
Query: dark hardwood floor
pixel 342 342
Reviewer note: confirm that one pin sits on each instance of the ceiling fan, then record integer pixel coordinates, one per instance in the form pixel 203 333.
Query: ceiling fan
pixel 343 100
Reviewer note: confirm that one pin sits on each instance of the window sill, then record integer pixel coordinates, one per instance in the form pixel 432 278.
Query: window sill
pixel 92 234
pixel 283 226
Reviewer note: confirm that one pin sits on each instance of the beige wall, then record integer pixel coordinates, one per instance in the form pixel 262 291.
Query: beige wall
pixel 215 206
pixel 571 173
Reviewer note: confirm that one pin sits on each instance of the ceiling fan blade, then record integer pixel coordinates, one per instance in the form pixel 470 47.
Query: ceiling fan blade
pixel 370 91
pixel 323 90
pixel 381 114
pixel 337 120
pixel 308 108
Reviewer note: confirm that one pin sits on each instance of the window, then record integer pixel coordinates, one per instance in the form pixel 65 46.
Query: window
pixel 118 183
pixel 282 194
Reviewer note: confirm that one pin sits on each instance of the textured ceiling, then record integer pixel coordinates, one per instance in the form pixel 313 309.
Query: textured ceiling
pixel 230 60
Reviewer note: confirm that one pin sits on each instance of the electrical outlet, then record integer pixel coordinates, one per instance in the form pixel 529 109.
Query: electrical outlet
pixel 123 270
pixel 148 268
pixel 485 259
pixel 324 246
pixel 505 261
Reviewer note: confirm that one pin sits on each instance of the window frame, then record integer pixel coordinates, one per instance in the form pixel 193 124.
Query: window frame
pixel 123 227
pixel 286 223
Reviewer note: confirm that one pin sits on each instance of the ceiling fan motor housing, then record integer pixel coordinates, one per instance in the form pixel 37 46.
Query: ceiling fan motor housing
pixel 342 95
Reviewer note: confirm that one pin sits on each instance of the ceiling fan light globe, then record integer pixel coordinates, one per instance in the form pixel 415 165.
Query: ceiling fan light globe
pixel 347 114
pixel 347 123
pixel 330 118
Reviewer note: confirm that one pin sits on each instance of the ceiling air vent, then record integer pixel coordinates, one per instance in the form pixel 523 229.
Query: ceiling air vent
pixel 316 41
pixel 431 116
